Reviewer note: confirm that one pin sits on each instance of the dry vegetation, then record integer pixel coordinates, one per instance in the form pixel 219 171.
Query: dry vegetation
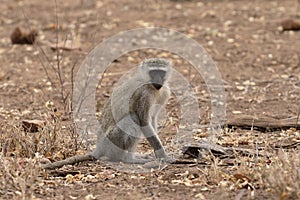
pixel 259 62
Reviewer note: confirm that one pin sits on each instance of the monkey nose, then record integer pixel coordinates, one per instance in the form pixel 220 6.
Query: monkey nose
pixel 157 85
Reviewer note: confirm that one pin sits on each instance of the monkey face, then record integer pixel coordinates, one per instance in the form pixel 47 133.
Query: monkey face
pixel 157 78
pixel 156 71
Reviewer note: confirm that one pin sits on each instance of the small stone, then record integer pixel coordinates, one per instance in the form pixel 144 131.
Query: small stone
pixel 20 36
pixel 230 40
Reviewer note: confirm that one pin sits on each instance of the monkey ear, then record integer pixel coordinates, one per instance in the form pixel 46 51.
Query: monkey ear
pixel 170 71
pixel 142 67
pixel 170 63
pixel 143 72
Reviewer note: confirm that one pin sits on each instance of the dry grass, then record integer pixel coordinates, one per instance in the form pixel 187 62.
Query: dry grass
pixel 19 177
pixel 23 152
pixel 270 171
pixel 55 137
pixel 283 175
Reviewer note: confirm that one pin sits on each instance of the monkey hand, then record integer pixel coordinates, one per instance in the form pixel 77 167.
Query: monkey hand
pixel 162 156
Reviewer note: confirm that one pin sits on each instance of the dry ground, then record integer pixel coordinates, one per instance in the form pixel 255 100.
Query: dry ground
pixel 259 63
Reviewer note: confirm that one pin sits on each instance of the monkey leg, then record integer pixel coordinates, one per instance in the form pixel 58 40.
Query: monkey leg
pixel 137 158
pixel 120 151
pixel 119 144
pixel 127 152
pixel 133 136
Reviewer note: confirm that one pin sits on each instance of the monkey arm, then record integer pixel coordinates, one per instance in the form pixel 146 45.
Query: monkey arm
pixel 154 141
pixel 154 123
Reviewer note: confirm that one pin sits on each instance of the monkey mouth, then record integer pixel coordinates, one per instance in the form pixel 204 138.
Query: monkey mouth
pixel 157 85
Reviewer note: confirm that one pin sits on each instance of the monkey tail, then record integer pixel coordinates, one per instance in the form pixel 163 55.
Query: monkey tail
pixel 70 161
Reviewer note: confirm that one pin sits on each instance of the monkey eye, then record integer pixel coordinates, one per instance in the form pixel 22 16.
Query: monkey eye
pixel 154 74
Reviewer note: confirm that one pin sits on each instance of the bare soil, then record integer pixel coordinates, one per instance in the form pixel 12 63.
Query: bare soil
pixel 258 61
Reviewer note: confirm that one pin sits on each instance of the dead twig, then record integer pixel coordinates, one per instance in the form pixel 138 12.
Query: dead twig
pixel 263 123
pixel 297 120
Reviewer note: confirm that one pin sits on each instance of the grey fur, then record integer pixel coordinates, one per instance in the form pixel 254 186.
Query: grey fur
pixel 122 129
pixel 131 113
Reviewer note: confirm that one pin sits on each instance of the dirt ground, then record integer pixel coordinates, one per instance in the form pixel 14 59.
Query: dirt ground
pixel 258 61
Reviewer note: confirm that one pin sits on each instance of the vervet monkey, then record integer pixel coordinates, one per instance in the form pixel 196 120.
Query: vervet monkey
pixel 130 113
